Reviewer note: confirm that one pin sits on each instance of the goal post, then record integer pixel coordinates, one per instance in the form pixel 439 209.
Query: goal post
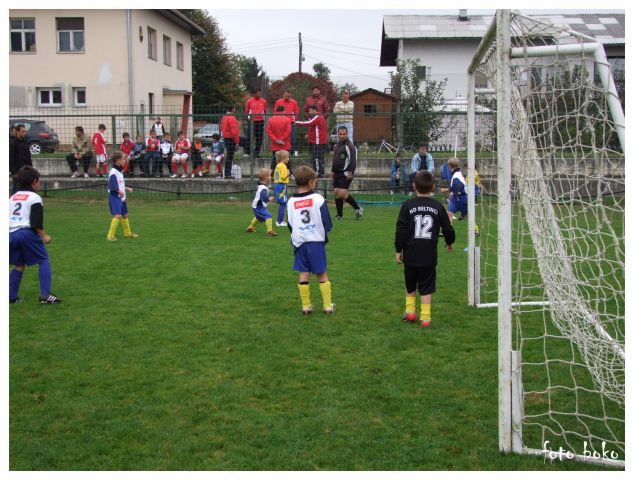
pixel 550 250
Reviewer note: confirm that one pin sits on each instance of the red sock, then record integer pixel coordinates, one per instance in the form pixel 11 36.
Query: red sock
pixel 207 165
pixel 219 167
pixel 174 168
pixel 185 168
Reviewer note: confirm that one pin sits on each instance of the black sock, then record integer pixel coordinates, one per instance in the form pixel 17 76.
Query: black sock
pixel 352 202
pixel 339 205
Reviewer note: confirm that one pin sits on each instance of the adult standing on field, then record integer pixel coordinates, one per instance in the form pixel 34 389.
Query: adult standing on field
pixel 19 154
pixel 159 129
pixel 344 110
pixel 256 108
pixel 279 132
pixel 230 131
pixel 317 100
pixel 344 164
pixel 291 109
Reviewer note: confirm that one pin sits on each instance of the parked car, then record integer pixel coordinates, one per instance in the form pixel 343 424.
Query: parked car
pixel 39 135
pixel 206 131
pixel 334 138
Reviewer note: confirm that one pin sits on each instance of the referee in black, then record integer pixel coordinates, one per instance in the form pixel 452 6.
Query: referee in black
pixel 344 163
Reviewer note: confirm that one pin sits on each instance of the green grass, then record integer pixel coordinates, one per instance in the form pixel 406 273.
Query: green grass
pixel 187 350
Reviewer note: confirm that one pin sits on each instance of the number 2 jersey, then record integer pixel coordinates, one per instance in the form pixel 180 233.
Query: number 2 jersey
pixel 308 218
pixel 25 211
pixel 417 229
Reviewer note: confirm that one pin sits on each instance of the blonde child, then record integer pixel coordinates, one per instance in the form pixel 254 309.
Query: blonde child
pixel 280 185
pixel 261 199
pixel 117 199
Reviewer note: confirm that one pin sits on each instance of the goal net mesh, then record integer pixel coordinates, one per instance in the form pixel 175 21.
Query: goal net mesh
pixel 568 184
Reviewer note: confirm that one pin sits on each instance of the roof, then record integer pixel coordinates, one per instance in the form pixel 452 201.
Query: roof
pixel 606 28
pixel 181 20
pixel 372 90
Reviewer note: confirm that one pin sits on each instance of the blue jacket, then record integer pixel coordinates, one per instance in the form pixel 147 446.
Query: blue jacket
pixel 416 163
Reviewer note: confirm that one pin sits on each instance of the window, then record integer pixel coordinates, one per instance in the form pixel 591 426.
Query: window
pixel 22 34
pixel 167 50
pixel 151 43
pixel 370 110
pixel 49 97
pixel 180 56
pixel 70 34
pixel 79 96
pixel 422 72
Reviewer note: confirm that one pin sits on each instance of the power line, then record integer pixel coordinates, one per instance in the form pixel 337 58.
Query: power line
pixel 279 40
pixel 347 69
pixel 375 57
pixel 342 44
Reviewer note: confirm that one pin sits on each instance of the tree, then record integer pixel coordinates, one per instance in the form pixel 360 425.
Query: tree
pixel 419 104
pixel 300 86
pixel 322 71
pixel 252 75
pixel 351 87
pixel 214 81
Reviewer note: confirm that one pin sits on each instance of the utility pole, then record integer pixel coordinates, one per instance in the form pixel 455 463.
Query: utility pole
pixel 301 57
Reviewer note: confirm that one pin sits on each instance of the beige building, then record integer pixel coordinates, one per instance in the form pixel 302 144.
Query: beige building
pixel 78 61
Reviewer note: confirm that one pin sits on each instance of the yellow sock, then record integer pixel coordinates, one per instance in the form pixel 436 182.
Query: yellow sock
pixel 126 227
pixel 410 304
pixel 304 294
pixel 254 222
pixel 326 293
pixel 114 224
pixel 425 311
pixel 269 224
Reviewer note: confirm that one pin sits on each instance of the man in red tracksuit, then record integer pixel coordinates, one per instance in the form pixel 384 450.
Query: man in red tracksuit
pixel 230 131
pixel 279 132
pixel 291 109
pixel 317 137
pixel 256 107
pixel 317 100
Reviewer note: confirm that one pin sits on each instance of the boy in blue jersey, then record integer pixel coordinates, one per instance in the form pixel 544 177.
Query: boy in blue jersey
pixel 117 199
pixel 457 187
pixel 260 201
pixel 309 222
pixel 280 185
pixel 27 236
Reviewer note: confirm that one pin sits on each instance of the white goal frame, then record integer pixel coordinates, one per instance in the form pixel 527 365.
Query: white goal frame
pixel 509 363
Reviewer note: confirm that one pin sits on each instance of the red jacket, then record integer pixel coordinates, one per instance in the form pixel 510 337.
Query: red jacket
pixel 290 107
pixel 152 144
pixel 126 147
pixel 317 130
pixel 256 106
pixel 320 102
pixel 229 128
pixel 98 143
pixel 279 128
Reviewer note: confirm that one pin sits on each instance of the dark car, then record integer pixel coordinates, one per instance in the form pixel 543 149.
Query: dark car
pixel 39 135
pixel 206 131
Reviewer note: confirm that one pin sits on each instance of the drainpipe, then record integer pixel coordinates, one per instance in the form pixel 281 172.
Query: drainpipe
pixel 129 31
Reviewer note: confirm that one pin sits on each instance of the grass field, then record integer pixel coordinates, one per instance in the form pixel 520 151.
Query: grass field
pixel 187 350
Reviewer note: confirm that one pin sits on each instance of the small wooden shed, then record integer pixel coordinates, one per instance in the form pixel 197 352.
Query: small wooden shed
pixel 373 116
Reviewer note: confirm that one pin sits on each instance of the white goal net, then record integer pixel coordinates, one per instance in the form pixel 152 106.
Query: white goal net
pixel 551 250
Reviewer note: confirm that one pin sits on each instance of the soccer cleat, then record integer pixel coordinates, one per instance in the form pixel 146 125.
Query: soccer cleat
pixel 184 175
pixel 74 175
pixel 50 299
pixel 391 192
pixel 132 235
pixel 307 310
pixel 250 229
pixel 409 317
pixel 425 323
pixel 338 217
pixel 86 175
pixel 173 176
pixel 200 174
pixel 111 239
pixel 271 233
pixel 16 300
pixel 359 213
pixel 295 153
pixel 329 310
pixel 193 175
pixel 281 224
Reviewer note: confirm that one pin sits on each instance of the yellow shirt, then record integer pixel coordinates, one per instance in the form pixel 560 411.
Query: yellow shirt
pixel 281 173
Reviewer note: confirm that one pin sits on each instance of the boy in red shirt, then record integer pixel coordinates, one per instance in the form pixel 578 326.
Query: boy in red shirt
pixel 317 138
pixel 126 147
pixel 181 149
pixel 99 146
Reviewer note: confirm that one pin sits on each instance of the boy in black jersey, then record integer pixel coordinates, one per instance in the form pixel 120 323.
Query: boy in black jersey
pixel 419 222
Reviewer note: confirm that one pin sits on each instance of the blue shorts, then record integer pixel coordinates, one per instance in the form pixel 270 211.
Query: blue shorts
pixel 262 214
pixel 26 248
pixel 310 257
pixel 280 193
pixel 460 205
pixel 117 206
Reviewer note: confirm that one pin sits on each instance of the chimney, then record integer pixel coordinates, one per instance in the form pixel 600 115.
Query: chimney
pixel 462 15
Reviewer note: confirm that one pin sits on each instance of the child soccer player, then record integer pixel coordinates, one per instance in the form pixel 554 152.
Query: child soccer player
pixel 197 159
pixel 138 153
pixel 126 147
pixel 181 154
pixel 280 185
pixel 416 241
pixel 397 172
pixel 166 154
pixel 27 236
pixel 260 201
pixel 99 146
pixel 309 222
pixel 118 205
pixel 217 154
pixel 152 156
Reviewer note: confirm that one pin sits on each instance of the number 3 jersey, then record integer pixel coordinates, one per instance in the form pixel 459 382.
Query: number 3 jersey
pixel 25 211
pixel 417 229
pixel 308 218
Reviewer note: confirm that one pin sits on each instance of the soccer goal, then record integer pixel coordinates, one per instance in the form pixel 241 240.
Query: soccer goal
pixel 550 257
